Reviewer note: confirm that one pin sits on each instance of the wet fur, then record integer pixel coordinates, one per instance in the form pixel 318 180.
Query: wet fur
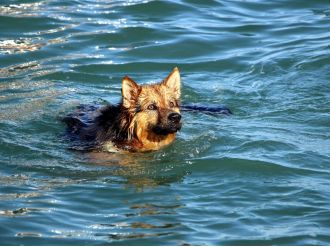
pixel 132 124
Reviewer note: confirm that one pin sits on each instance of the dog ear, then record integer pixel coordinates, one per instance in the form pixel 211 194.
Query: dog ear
pixel 173 82
pixel 130 92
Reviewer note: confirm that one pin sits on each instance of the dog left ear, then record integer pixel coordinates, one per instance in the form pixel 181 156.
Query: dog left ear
pixel 173 82
pixel 130 92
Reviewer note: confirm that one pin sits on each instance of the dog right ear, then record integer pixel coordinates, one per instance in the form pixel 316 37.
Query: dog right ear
pixel 173 83
pixel 130 92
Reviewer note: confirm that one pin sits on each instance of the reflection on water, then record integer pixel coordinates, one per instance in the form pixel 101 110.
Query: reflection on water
pixel 18 46
pixel 128 223
pixel 139 170
pixel 23 45
pixel 21 9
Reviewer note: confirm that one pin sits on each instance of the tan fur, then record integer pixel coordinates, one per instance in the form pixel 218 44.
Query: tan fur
pixel 165 96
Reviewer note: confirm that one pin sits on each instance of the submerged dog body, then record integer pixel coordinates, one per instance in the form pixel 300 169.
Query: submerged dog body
pixel 147 118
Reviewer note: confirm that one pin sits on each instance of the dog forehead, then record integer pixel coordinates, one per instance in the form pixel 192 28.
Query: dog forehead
pixel 155 92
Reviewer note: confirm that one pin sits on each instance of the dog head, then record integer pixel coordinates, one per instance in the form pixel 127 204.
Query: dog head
pixel 154 109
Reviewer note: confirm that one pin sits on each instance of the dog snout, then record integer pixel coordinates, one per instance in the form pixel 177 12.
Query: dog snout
pixel 174 117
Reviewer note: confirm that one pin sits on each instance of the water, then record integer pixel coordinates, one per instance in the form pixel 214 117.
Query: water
pixel 260 176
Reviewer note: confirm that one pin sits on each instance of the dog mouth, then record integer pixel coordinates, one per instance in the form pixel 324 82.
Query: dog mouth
pixel 165 130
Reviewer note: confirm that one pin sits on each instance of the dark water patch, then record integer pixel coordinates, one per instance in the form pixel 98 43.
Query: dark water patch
pixel 252 166
pixel 156 10
pixel 280 241
pixel 117 39
pixel 125 68
pixel 15 25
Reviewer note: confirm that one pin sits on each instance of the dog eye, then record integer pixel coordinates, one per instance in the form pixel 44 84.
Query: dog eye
pixel 171 104
pixel 152 107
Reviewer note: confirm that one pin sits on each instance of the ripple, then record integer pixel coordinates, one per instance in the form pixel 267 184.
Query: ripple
pixel 13 196
pixel 28 234
pixel 137 225
pixel 19 212
pixel 17 69
pixel 122 236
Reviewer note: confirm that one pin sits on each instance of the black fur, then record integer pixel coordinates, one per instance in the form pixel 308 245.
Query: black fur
pixel 208 109
pixel 94 125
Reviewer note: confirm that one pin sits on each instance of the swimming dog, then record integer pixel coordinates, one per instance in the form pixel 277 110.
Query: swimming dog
pixel 147 118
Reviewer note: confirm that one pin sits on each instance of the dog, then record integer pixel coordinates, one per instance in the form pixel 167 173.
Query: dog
pixel 147 118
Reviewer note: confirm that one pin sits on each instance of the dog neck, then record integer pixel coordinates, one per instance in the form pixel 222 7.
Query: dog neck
pixel 150 141
pixel 142 144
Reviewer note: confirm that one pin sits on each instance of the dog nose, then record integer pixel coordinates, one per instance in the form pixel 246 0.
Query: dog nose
pixel 174 117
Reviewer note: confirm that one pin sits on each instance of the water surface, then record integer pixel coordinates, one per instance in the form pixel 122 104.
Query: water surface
pixel 260 176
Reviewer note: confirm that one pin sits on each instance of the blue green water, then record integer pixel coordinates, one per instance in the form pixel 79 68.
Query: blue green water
pixel 261 176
